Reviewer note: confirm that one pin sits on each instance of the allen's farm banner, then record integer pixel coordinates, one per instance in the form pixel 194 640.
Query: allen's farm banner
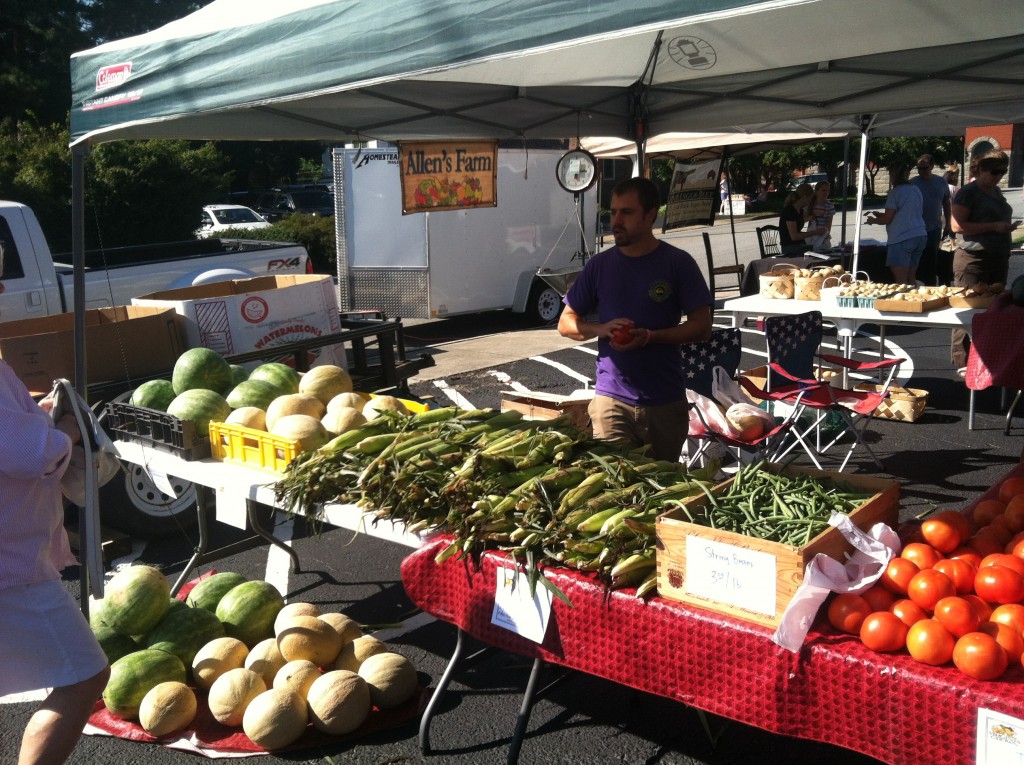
pixel 693 194
pixel 448 175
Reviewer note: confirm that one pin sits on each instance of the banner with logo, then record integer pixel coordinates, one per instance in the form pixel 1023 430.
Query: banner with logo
pixel 448 175
pixel 693 196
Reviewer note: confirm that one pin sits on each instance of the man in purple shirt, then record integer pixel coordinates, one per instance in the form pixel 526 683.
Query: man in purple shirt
pixel 639 290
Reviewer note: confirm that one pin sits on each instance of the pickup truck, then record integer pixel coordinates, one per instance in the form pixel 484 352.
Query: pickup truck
pixel 35 283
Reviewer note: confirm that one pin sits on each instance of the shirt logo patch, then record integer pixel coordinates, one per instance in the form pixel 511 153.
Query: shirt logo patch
pixel 660 291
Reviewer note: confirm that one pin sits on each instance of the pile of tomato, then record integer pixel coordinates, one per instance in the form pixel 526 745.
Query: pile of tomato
pixel 955 593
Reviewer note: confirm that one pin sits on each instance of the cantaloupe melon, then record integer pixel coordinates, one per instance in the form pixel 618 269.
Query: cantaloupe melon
pixel 342 420
pixel 294 403
pixel 338 702
pixel 248 417
pixel 325 382
pixel 345 626
pixel 303 428
pixel 298 608
pixel 307 637
pixel 353 399
pixel 353 654
pixel 297 675
pixel 168 707
pixel 217 657
pixel 378 404
pixel 232 693
pixel 265 659
pixel 391 677
pixel 275 718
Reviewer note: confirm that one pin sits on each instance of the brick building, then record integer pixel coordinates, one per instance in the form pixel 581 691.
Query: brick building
pixel 1008 138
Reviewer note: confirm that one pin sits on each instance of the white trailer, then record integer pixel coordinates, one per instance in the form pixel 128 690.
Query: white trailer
pixel 520 255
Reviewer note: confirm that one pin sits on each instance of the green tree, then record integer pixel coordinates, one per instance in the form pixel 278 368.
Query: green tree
pixel 113 19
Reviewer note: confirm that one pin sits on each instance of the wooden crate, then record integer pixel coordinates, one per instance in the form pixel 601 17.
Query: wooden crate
pixel 544 406
pixel 749 578
pixel 911 306
pixel 971 301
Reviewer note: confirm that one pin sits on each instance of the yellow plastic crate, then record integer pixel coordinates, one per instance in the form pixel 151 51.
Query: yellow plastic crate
pixel 415 407
pixel 251 447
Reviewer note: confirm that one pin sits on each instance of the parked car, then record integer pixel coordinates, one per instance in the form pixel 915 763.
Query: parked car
pixel 274 205
pixel 811 178
pixel 216 218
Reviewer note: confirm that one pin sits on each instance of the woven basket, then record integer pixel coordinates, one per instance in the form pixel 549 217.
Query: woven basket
pixel 808 287
pixel 777 284
pixel 901 404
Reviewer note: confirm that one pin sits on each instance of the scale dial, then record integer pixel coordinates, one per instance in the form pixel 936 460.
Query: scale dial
pixel 576 170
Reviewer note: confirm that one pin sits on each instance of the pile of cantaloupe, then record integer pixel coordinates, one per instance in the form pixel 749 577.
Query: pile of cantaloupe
pixel 324 406
pixel 319 668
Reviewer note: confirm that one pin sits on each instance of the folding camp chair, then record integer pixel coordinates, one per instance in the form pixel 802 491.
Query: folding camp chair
pixel 768 241
pixel 724 350
pixel 793 350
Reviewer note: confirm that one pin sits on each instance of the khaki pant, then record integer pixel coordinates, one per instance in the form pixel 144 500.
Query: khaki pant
pixel 663 427
pixel 969 268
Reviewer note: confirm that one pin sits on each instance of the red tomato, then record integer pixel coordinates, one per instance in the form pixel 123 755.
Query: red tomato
pixel 846 612
pixel 1010 614
pixel 1014 513
pixel 930 586
pixel 945 533
pixel 979 656
pixel 1004 559
pixel 1010 488
pixel 922 554
pixel 999 584
pixel 622 335
pixel 957 615
pixel 930 643
pixel 968 554
pixel 880 599
pixel 986 543
pixel 1016 545
pixel 997 531
pixel 908 612
pixel 983 609
pixel 1007 637
pixel 883 631
pixel 897 575
pixel 960 571
pixel 986 510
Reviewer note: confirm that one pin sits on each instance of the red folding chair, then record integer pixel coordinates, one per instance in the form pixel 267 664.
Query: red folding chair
pixel 793 356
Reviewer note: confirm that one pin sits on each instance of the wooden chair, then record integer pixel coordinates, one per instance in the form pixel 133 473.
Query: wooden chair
pixel 715 271
pixel 768 241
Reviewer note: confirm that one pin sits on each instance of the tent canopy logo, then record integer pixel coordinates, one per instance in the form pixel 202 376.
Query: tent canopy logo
pixel 112 76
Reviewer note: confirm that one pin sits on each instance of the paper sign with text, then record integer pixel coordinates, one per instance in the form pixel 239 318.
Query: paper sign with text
pixel 448 175
pixel 730 574
pixel 1000 739
pixel 516 610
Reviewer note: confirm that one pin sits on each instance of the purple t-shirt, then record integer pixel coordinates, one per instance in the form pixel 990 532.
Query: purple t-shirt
pixel 655 291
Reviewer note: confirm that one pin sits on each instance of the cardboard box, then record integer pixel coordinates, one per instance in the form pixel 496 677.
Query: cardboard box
pixel 738 568
pixel 547 406
pixel 122 343
pixel 253 314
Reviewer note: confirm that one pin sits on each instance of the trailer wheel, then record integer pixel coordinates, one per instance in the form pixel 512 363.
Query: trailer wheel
pixel 544 305
pixel 133 504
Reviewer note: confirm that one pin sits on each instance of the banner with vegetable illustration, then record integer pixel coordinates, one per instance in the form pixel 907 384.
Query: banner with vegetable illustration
pixel 448 175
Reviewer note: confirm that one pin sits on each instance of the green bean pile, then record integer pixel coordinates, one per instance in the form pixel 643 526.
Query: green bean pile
pixel 543 491
pixel 788 508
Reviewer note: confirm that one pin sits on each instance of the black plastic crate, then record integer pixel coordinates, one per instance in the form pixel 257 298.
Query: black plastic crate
pixel 156 429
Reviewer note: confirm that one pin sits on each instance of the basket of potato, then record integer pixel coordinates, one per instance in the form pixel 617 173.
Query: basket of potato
pixel 777 284
pixel 807 282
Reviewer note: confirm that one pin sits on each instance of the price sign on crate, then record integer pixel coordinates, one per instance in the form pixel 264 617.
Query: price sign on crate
pixel 730 574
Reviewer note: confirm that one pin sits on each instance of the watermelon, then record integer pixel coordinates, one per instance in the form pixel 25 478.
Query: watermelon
pixel 114 646
pixel 200 406
pixel 248 611
pixel 238 374
pixel 284 379
pixel 184 632
pixel 208 592
pixel 135 601
pixel 154 394
pixel 257 393
pixel 201 368
pixel 1017 291
pixel 134 675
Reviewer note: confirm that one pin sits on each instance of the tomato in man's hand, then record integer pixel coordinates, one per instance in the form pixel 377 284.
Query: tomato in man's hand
pixel 622 335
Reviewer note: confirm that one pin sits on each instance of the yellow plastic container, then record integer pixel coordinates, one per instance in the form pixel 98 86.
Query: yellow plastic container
pixel 251 447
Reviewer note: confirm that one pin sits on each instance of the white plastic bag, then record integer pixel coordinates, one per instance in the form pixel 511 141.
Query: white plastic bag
pixel 726 390
pixel 705 414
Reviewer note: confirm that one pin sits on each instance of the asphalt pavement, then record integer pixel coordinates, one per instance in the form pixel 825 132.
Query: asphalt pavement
pixel 938 461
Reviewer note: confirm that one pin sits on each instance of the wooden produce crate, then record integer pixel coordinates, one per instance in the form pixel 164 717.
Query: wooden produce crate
pixel 971 301
pixel 749 578
pixel 547 406
pixel 911 306
pixel 901 404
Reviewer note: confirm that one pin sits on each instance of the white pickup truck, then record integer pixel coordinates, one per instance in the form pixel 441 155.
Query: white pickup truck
pixel 33 284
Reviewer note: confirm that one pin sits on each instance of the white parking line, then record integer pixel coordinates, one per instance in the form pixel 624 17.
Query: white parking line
pixel 453 395
pixel 504 378
pixel 563 368
pixel 278 561
pixel 410 624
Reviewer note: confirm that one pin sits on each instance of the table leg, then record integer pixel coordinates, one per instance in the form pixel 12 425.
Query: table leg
pixel 251 507
pixel 442 686
pixel 1009 413
pixel 200 549
pixel 529 696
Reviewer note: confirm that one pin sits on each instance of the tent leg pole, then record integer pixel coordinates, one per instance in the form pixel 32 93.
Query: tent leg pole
pixel 862 170
pixel 78 261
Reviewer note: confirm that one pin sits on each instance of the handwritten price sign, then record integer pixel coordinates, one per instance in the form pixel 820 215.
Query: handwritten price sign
pixel 730 574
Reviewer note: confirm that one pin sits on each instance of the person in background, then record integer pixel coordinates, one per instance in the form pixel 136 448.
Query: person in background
pixel 981 216
pixel 937 218
pixel 821 213
pixel 951 177
pixel 906 235
pixel 632 297
pixel 792 239
pixel 723 192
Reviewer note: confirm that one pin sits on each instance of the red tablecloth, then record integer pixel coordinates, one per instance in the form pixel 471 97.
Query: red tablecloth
pixel 887 706
pixel 997 350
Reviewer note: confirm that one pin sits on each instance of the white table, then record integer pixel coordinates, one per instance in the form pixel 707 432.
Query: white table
pixel 238 491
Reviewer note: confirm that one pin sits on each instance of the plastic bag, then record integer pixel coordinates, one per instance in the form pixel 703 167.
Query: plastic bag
pixel 705 414
pixel 66 400
pixel 726 390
